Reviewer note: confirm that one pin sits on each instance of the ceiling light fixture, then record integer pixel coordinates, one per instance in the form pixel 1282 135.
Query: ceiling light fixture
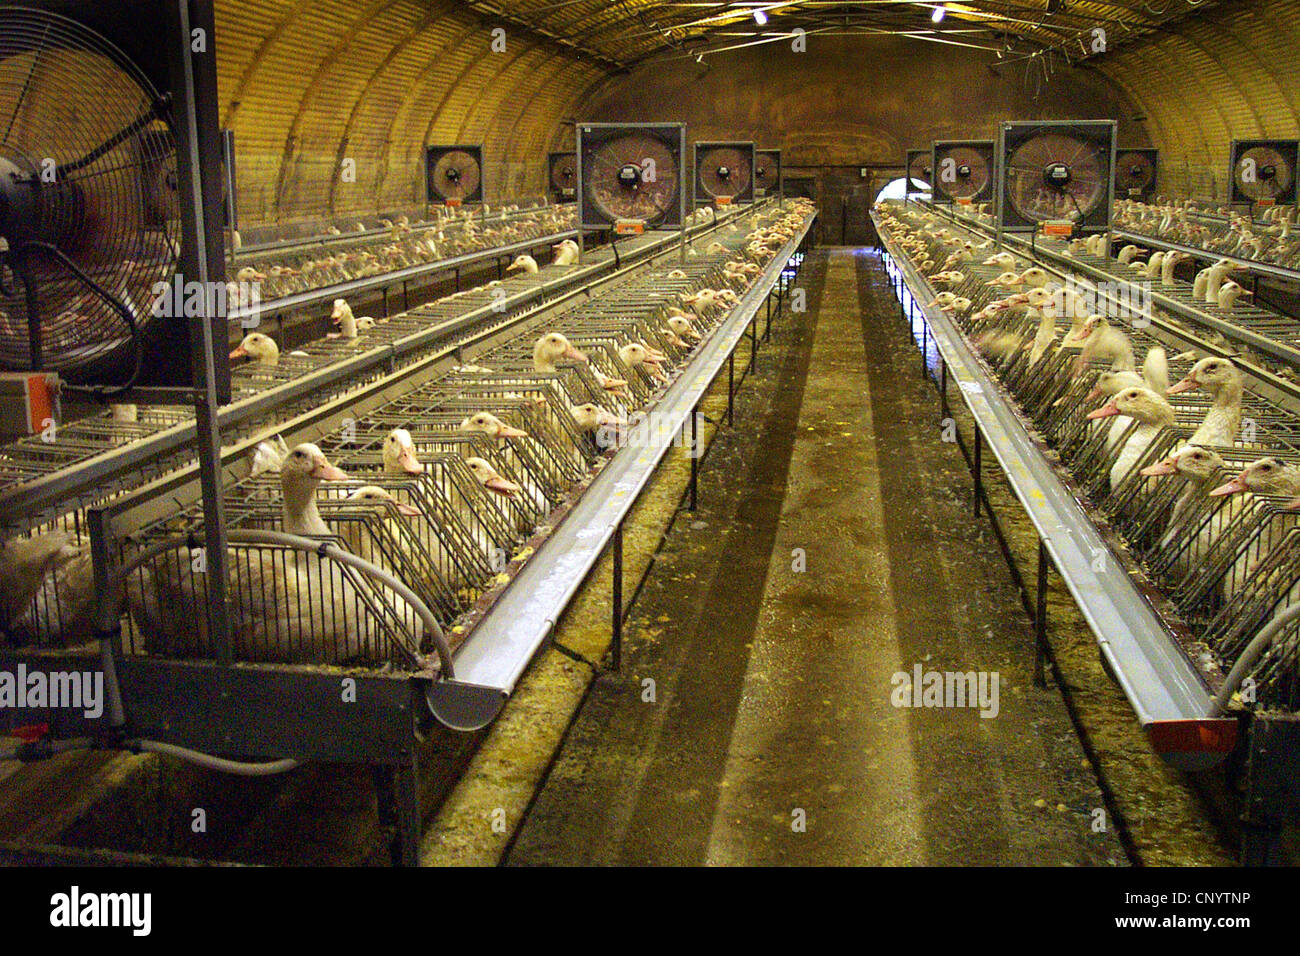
pixel 760 18
pixel 939 13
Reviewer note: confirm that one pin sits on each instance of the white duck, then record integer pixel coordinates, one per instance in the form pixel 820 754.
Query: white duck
pixel 566 252
pixel 259 348
pixel 278 607
pixel 525 264
pixel 1150 411
pixel 638 355
pixel 1223 381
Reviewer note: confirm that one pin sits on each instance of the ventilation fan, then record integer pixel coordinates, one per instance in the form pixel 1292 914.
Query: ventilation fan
pixel 962 171
pixel 1264 171
pixel 630 175
pixel 97 205
pixel 1056 171
pixel 562 175
pixel 767 173
pixel 1135 173
pixel 455 174
pixel 724 172
pixel 918 172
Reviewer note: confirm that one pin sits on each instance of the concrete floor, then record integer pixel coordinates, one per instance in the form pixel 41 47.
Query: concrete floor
pixel 752 720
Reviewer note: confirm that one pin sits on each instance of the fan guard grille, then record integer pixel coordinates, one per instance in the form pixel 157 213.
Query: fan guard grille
pixel 75 110
pixel 1030 195
pixel 456 174
pixel 974 159
pixel 1263 158
pixel 615 199
pixel 724 171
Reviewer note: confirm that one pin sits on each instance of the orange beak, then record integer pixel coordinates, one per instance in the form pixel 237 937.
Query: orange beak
pixel 239 352
pixel 409 462
pixel 1236 486
pixel 1185 385
pixel 508 431
pixel 1166 467
pixel 1106 411
pixel 324 471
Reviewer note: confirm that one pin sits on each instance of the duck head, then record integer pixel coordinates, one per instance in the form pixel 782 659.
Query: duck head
pixel 1268 476
pixel 381 500
pixel 1210 373
pixel 399 453
pixel 258 347
pixel 552 347
pixel 491 479
pixel 1139 403
pixel 485 423
pixel 1191 461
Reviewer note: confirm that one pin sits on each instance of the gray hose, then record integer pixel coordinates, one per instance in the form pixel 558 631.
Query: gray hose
pixel 236 767
pixel 1251 655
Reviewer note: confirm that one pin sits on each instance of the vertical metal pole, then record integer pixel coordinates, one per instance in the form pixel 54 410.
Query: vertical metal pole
pixel 943 387
pixel 616 644
pixel 207 432
pixel 406 791
pixel 692 450
pixel 978 469
pixel 753 342
pixel 731 388
pixel 1040 618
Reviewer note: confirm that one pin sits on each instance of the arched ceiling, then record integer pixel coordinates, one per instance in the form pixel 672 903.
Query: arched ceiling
pixel 308 88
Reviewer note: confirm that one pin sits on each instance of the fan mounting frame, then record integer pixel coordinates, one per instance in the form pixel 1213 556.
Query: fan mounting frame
pixel 744 182
pixel 1288 150
pixel 178 138
pixel 944 150
pixel 768 159
pixel 437 195
pixel 555 162
pixel 667 139
pixel 909 159
pixel 1145 192
pixel 1098 139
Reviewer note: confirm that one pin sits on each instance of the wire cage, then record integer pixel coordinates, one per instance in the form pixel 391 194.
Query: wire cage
pixel 1226 563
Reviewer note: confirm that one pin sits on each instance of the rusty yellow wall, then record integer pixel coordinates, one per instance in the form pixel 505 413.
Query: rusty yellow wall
pixel 307 86
pixel 1232 73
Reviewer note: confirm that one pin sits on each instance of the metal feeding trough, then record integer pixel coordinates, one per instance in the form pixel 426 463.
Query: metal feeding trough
pixel 353 645
pixel 1217 571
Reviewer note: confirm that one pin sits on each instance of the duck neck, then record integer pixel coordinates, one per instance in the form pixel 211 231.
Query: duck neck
pixel 300 514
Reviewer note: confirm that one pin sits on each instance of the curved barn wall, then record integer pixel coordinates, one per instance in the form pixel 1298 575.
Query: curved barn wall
pixel 374 81
pixel 1229 74
pixel 855 101
pixel 393 76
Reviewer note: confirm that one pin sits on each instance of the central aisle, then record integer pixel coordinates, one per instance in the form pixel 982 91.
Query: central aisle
pixel 832 550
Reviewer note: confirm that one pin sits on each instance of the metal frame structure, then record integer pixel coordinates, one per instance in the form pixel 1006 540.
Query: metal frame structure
pixel 745 195
pixel 985 146
pixel 435 152
pixel 780 173
pixel 260 711
pixel 1167 693
pixel 1009 222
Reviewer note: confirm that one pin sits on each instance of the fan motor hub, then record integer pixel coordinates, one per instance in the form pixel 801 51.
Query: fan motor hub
pixel 1056 174
pixel 32 209
pixel 629 175
pixel 724 172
